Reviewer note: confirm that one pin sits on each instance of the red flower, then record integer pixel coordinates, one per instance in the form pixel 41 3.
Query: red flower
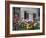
pixel 16 19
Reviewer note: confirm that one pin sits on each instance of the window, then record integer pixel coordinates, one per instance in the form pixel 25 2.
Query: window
pixel 26 15
pixel 34 16
pixel 16 11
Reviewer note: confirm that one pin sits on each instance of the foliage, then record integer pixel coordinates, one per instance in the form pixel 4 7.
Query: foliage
pixel 23 26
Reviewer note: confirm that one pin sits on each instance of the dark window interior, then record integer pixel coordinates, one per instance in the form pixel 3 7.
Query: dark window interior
pixel 26 15
pixel 34 16
pixel 39 12
pixel 16 10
